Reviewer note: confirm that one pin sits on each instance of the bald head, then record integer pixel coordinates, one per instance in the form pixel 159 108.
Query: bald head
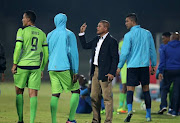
pixel 174 36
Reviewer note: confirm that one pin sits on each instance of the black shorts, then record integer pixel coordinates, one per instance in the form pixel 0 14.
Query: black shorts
pixel 137 76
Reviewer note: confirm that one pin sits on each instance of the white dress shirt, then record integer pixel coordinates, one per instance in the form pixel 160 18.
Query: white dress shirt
pixel 98 47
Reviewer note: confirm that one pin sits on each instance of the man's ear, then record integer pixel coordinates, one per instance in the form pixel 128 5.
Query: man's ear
pixel 106 29
pixel 28 19
pixel 134 23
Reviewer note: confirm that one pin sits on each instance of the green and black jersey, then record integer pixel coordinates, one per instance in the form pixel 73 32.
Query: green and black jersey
pixel 30 42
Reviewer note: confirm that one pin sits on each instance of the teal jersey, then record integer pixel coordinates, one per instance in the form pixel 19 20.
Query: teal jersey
pixel 29 44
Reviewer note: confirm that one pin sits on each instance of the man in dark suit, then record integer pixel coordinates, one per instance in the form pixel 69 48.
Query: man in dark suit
pixel 103 68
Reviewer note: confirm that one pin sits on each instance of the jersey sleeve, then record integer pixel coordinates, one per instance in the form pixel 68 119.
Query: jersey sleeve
pixel 19 36
pixel 45 53
pixel 45 40
pixel 153 55
pixel 74 56
pixel 125 49
pixel 18 47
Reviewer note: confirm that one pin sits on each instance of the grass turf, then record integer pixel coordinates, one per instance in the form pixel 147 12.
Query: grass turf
pixel 8 109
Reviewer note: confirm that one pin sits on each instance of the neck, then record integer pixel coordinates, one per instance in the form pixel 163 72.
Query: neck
pixel 134 25
pixel 101 35
pixel 30 24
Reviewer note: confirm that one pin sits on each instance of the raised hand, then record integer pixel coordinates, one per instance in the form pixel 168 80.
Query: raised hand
pixel 83 28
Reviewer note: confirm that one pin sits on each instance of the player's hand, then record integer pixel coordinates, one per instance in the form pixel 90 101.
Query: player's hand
pixel 153 70
pixel 42 74
pixel 75 77
pixel 118 71
pixel 160 77
pixel 83 28
pixel 2 77
pixel 14 69
pixel 110 77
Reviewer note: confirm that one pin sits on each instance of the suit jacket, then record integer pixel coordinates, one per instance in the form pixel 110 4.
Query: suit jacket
pixel 108 55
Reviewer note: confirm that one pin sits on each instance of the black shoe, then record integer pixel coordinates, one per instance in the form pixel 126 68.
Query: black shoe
pixel 128 118
pixel 161 111
pixel 20 122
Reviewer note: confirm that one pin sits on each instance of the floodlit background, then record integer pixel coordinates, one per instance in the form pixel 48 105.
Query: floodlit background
pixel 155 15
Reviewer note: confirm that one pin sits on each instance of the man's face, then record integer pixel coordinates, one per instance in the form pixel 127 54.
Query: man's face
pixel 25 20
pixel 129 23
pixel 165 39
pixel 101 29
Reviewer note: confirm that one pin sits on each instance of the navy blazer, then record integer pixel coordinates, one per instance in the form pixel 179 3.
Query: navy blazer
pixel 108 55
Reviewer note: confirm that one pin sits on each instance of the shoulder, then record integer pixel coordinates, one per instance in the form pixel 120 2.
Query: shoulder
pixel 39 30
pixel 69 32
pixel 49 34
pixel 161 46
pixel 165 46
pixel 20 29
pixel 128 35
pixel 112 38
pixel 145 30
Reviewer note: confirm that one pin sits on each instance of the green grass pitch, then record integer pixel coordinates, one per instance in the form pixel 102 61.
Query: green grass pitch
pixel 8 109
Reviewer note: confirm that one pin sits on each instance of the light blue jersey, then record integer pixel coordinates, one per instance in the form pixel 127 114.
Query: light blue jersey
pixel 62 44
pixel 138 49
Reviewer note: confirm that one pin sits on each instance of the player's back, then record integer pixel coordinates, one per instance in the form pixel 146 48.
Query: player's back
pixel 141 41
pixel 33 39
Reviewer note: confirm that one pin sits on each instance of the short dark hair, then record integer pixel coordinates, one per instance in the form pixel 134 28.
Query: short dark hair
pixel 166 34
pixel 105 23
pixel 133 17
pixel 31 15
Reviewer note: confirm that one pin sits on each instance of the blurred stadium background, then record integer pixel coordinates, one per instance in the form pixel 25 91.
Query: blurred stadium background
pixel 155 15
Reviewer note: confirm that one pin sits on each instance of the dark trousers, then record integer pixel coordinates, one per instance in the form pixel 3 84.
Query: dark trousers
pixel 169 77
pixel 163 87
